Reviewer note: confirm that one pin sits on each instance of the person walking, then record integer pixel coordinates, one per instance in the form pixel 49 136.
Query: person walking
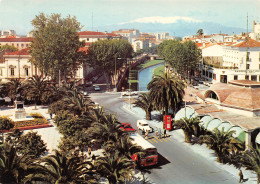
pixel 160 133
pixel 146 134
pixel 241 177
pixel 164 133
pixel 156 131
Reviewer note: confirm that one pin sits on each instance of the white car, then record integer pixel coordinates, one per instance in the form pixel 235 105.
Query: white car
pixel 143 125
pixel 129 93
pixel 97 88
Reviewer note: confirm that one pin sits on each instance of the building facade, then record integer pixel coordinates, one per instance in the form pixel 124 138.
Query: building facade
pixel 20 43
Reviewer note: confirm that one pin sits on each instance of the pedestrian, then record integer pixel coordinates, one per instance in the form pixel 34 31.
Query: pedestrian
pixel 160 133
pixel 146 134
pixel 156 131
pixel 93 158
pixel 164 133
pixel 241 177
pixel 89 152
pixel 143 132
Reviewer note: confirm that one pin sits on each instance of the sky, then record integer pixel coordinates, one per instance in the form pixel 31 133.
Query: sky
pixel 18 14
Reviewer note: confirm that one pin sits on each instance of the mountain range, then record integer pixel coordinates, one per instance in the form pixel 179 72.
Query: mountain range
pixel 178 29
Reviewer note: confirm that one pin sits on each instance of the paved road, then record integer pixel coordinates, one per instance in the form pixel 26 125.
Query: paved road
pixel 177 163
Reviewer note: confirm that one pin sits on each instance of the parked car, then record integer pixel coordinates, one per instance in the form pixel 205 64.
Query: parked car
pixel 144 126
pixel 129 93
pixel 126 127
pixel 97 88
pixel 88 83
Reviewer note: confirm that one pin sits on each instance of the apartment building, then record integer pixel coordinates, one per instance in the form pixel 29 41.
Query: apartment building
pixel 20 43
pixel 128 34
pixel 93 36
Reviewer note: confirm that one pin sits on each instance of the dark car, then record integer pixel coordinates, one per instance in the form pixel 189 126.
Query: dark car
pixel 88 83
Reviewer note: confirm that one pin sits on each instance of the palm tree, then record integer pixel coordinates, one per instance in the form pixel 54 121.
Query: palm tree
pixel 145 102
pixel 220 142
pixel 114 168
pixel 13 87
pixel 35 88
pixel 189 127
pixel 61 168
pixel 104 127
pixel 76 102
pixel 251 159
pixel 12 167
pixel 124 146
pixel 166 91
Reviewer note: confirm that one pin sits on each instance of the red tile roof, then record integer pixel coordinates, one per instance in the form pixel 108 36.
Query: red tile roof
pixel 25 39
pixel 84 49
pixel 238 95
pixel 248 43
pixel 91 33
pixel 19 52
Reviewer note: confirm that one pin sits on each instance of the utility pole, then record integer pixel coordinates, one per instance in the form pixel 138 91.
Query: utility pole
pixel 115 75
pixel 246 44
pixel 129 84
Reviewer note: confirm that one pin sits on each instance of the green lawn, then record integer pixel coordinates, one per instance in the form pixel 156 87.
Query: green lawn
pixel 159 70
pixel 150 63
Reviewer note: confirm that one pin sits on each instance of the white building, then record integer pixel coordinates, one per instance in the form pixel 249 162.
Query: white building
pixel 93 36
pixel 240 61
pixel 139 44
pixel 128 34
pixel 256 31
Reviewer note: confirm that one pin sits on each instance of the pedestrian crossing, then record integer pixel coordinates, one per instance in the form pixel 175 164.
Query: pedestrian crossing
pixel 155 139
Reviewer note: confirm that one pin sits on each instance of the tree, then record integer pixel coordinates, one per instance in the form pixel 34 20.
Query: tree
pixel 32 144
pixel 56 45
pixel 114 168
pixel 124 146
pixel 251 159
pixel 167 92
pixel 220 142
pixel 9 48
pixel 12 167
pixel 14 137
pixel 5 124
pixel 200 32
pixel 35 88
pixel 189 127
pixel 145 102
pixel 103 54
pixel 63 168
pixel 13 88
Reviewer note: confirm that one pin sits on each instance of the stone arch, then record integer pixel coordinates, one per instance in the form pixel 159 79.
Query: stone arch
pixel 214 123
pixel 187 112
pixel 211 94
pixel 239 134
pixel 205 120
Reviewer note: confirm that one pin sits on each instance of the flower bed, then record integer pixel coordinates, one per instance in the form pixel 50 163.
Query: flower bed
pixel 38 122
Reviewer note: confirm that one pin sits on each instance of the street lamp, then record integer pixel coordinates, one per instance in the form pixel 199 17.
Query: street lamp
pixel 129 62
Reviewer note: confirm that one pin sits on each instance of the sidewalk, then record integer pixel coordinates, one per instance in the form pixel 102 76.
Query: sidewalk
pixel 202 150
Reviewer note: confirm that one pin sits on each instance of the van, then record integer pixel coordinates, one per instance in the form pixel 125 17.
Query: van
pixel 143 125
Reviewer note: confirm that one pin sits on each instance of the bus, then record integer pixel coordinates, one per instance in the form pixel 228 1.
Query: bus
pixel 151 156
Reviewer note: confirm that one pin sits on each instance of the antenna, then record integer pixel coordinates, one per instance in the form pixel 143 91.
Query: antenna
pixel 246 43
pixel 92 20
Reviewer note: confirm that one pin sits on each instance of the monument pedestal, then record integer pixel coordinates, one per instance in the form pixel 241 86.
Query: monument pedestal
pixel 19 112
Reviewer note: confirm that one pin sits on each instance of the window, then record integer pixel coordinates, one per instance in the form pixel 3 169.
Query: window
pixel 248 56
pixel 12 71
pixel 22 45
pixel 247 77
pixel 26 71
pixel 247 66
pixel 253 78
pixel 87 39
pixel 235 77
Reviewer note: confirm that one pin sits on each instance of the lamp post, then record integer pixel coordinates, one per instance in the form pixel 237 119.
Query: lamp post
pixel 115 75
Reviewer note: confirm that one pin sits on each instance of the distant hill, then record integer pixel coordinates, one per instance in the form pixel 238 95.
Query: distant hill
pixel 179 29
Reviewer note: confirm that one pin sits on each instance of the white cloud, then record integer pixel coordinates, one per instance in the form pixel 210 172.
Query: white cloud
pixel 162 20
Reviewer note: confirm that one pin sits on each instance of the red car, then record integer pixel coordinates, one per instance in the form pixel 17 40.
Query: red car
pixel 126 127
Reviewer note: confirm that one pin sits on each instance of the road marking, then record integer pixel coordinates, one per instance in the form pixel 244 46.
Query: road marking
pixel 164 139
pixel 169 139
pixel 154 140
pixel 158 139
pixel 150 141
